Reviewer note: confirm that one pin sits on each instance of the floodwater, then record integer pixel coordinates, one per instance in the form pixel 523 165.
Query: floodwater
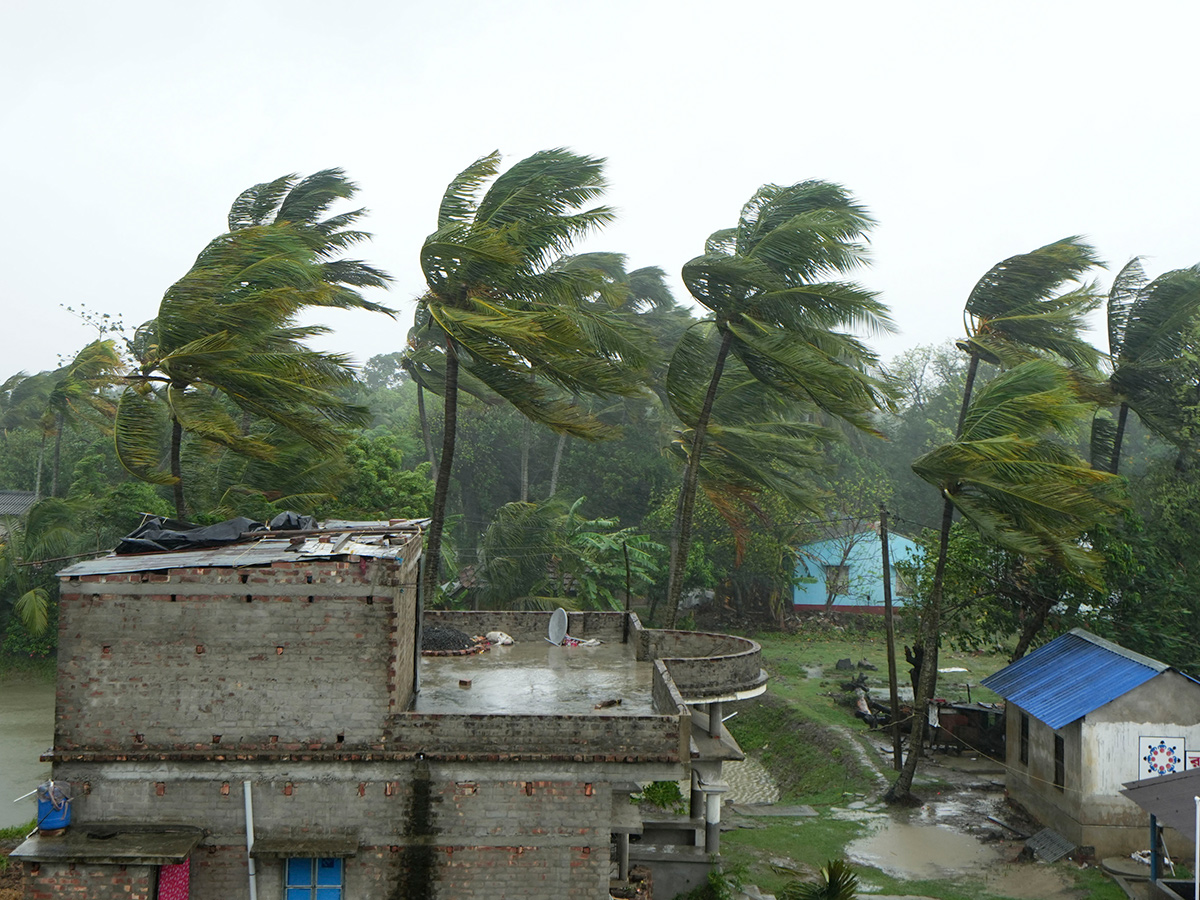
pixel 26 732
pixel 920 852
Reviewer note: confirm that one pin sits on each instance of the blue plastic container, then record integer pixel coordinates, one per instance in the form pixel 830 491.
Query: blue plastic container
pixel 53 807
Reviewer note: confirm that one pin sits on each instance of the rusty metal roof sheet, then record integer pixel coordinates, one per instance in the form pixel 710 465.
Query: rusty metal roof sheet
pixel 1072 675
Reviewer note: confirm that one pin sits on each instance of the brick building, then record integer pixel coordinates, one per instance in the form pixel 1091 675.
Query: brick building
pixel 269 694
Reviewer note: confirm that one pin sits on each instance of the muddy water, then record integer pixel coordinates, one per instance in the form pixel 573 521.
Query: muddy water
pixel 918 852
pixel 26 732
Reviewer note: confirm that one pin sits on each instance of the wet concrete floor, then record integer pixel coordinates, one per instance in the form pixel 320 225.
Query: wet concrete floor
pixel 26 732
pixel 532 678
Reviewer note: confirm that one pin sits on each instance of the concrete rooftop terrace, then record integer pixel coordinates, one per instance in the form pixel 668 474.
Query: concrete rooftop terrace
pixel 535 677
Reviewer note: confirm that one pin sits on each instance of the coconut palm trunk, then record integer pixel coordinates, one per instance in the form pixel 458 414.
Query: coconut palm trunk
pixel 556 465
pixel 425 433
pixel 432 550
pixel 681 534
pixel 177 469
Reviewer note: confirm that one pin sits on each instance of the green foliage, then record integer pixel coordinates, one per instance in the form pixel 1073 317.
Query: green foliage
pixel 543 555
pixel 18 832
pixel 663 794
pixel 377 486
pixel 837 882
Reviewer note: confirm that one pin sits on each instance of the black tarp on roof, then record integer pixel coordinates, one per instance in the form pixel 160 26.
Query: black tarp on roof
pixel 157 534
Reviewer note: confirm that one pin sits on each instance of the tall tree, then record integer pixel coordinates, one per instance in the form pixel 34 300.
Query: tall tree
pixel 1024 306
pixel 1150 323
pixel 497 308
pixel 765 284
pixel 80 393
pixel 225 348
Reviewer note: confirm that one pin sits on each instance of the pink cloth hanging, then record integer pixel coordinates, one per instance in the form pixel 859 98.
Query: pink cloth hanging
pixel 173 881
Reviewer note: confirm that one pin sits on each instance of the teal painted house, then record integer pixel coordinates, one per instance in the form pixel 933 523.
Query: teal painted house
pixel 849 571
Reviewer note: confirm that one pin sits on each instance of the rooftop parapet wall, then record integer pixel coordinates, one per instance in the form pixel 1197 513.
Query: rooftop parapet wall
pixel 705 665
pixel 534 626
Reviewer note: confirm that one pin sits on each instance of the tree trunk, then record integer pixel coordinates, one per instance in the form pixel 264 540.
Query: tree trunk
pixel 37 479
pixel 558 452
pixel 177 469
pixel 901 790
pixel 433 537
pixel 526 438
pixel 681 535
pixel 433 466
pixel 1120 434
pixel 1032 625
pixel 58 429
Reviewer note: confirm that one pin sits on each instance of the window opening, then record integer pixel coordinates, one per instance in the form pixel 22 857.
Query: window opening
pixel 1060 768
pixel 1024 739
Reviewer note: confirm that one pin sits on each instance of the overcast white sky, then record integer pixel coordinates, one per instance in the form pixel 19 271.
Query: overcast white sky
pixel 972 131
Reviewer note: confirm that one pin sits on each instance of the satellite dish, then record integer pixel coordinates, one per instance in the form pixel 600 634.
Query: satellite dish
pixel 558 626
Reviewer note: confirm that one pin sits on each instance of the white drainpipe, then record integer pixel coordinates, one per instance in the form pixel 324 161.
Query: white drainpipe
pixel 250 839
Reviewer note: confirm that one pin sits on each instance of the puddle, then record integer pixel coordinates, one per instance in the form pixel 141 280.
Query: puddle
pixel 917 852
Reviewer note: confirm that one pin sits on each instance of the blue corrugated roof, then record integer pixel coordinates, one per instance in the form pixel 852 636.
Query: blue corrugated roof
pixel 1071 676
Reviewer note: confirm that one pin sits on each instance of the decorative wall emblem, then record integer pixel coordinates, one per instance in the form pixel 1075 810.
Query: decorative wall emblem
pixel 1162 755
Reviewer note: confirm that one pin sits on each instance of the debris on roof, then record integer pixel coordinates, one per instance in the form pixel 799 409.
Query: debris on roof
pixel 239 543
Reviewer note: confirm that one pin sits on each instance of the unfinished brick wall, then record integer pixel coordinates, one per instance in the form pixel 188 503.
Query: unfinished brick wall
pixel 290 655
pixel 64 881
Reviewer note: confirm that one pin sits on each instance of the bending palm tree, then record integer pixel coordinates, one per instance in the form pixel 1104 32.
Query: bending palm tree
pixel 225 339
pixel 1015 311
pixel 1148 327
pixel 764 283
pixel 495 302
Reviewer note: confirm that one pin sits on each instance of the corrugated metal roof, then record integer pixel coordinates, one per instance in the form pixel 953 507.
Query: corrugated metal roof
pixel 1071 676
pixel 16 503
pixel 264 551
pixel 1172 798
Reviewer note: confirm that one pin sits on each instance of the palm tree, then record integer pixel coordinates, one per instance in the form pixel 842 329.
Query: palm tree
pixel 79 393
pixel 26 588
pixel 1018 310
pixel 1149 326
pixel 838 882
pixel 495 302
pixel 225 347
pixel 764 283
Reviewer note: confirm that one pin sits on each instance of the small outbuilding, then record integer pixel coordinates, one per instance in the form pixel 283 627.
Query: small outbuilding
pixel 1085 716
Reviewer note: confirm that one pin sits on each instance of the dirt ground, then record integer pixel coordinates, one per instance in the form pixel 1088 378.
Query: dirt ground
pixel 10 878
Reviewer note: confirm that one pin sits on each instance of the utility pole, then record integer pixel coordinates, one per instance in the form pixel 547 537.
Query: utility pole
pixel 891 637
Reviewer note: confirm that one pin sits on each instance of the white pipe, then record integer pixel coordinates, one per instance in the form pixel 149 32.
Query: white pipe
pixel 250 839
pixel 1196 861
pixel 23 796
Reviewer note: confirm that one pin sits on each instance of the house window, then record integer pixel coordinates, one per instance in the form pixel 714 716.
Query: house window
pixel 313 879
pixel 901 585
pixel 1060 768
pixel 837 579
pixel 1024 739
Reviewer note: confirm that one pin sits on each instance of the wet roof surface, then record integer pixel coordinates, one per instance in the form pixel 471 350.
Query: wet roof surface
pixel 537 678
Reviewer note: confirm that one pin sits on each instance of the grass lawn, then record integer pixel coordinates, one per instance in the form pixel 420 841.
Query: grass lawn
pixel 799 729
